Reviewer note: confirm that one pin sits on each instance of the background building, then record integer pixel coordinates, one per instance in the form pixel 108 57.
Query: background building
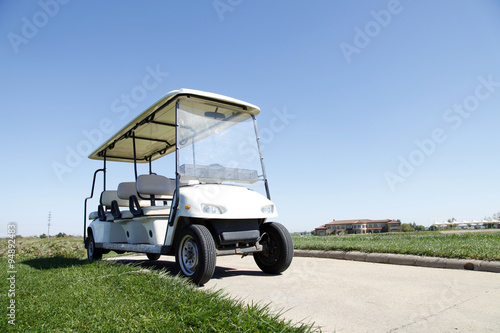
pixel 363 226
pixel 473 224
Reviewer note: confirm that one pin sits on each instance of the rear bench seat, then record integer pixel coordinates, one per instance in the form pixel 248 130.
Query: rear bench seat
pixel 103 212
pixel 125 191
pixel 153 187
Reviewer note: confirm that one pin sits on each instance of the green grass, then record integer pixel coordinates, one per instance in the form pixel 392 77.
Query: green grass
pixel 483 246
pixel 38 248
pixel 58 290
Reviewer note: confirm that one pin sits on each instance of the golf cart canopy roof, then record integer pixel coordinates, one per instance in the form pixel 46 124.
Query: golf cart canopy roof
pixel 154 130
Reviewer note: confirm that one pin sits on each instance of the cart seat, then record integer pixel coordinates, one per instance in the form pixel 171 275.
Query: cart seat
pixel 107 197
pixel 156 211
pixel 188 182
pixel 126 189
pixel 124 192
pixel 93 215
pixel 103 212
pixel 155 188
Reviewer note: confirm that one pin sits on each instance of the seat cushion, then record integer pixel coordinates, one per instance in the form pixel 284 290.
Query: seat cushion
pixel 156 211
pixel 126 189
pixel 126 214
pixel 93 215
pixel 159 186
pixel 108 196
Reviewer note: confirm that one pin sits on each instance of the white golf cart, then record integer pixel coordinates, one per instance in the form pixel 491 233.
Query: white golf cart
pixel 217 203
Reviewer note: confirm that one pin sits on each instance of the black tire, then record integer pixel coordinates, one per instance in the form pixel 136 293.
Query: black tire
pixel 93 253
pixel 153 256
pixel 277 252
pixel 195 254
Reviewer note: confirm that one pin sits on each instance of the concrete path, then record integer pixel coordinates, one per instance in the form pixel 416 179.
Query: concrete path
pixel 353 296
pixel 405 259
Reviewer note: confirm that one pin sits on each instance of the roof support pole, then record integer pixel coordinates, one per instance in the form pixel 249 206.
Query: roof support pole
pixel 135 156
pixel 177 172
pixel 104 172
pixel 175 202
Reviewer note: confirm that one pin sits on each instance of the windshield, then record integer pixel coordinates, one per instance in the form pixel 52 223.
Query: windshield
pixel 218 144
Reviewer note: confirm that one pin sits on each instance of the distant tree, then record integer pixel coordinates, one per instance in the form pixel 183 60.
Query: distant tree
pixel 313 232
pixel 61 235
pixel 385 228
pixel 43 236
pixel 407 227
pixel 452 220
pixel 433 228
pixel 496 216
pixel 419 228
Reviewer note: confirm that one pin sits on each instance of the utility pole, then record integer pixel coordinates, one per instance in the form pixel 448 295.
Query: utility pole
pixel 48 226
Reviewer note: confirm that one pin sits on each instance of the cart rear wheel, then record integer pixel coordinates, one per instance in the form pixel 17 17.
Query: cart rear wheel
pixel 277 252
pixel 153 256
pixel 195 253
pixel 93 253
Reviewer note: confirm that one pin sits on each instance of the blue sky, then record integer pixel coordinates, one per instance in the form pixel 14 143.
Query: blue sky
pixel 370 109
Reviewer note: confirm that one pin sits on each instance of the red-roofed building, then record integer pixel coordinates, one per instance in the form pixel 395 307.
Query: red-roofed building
pixel 362 226
pixel 321 231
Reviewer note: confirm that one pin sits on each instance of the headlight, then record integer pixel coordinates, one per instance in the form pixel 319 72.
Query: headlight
pixel 269 209
pixel 210 209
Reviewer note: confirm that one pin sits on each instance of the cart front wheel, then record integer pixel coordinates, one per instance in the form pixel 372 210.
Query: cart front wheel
pixel 153 256
pixel 277 252
pixel 93 253
pixel 195 254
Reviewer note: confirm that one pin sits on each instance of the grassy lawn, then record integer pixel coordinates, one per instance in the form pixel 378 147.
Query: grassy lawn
pixel 58 290
pixel 477 245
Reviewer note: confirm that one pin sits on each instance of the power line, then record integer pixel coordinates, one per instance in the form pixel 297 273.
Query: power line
pixel 48 226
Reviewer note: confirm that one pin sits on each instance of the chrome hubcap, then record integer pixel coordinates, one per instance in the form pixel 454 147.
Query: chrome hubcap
pixel 189 255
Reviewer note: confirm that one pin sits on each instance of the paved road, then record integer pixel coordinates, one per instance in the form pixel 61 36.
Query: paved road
pixel 349 296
